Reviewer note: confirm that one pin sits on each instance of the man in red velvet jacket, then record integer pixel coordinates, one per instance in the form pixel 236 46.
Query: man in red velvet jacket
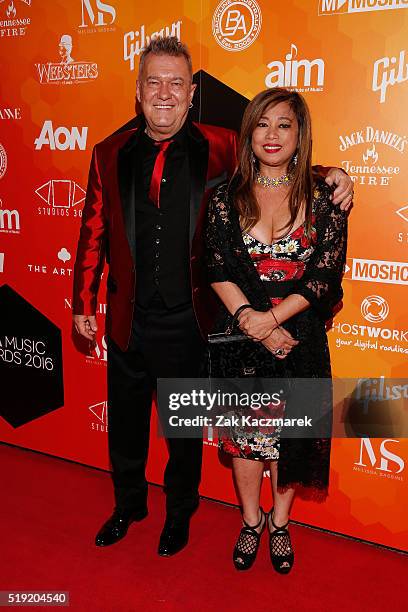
pixel 144 209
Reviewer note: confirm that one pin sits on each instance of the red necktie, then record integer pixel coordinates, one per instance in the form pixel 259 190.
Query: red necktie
pixel 154 191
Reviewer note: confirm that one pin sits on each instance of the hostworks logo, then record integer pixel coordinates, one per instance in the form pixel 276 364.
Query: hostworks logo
pixel 336 7
pixel 67 71
pixel 375 309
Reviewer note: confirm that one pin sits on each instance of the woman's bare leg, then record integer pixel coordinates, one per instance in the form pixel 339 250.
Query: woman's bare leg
pixel 248 478
pixel 281 501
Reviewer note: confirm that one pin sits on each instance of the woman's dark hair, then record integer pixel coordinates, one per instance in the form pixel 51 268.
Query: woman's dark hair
pixel 301 191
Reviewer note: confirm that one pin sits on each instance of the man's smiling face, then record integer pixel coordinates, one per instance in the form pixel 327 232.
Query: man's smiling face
pixel 164 90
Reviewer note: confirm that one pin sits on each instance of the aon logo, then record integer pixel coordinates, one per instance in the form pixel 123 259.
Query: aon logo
pixel 61 138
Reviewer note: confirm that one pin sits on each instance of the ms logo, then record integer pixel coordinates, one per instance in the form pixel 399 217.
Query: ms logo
pixel 236 24
pixel 95 10
pixel 385 462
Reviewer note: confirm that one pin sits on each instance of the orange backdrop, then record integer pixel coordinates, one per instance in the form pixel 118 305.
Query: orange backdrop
pixel 348 58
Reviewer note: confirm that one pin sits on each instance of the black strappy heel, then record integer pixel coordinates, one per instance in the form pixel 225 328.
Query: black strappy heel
pixel 280 547
pixel 247 545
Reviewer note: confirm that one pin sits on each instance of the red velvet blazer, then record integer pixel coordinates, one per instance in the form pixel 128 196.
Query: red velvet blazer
pixel 108 224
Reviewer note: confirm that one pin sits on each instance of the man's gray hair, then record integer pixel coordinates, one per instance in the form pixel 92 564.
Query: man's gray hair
pixel 166 45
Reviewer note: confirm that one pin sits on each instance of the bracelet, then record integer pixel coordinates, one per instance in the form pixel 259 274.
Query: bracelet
pixel 276 320
pixel 240 309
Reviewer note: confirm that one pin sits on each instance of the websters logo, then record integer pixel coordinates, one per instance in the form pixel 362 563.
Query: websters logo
pixel 336 7
pixel 382 462
pixel 67 71
pixel 62 138
pixel 236 25
pixel 134 42
pixel 297 74
pixel 374 143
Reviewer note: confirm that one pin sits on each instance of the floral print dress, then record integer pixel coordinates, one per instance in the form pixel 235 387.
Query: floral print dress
pixel 302 462
pixel 282 261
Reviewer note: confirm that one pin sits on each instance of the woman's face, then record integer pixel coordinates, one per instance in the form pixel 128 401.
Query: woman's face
pixel 275 138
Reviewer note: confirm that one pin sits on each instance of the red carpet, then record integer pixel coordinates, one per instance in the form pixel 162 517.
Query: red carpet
pixel 51 510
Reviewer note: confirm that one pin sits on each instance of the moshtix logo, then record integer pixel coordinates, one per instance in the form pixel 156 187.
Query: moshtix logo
pixel 336 7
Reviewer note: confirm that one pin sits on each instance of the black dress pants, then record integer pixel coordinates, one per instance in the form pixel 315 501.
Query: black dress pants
pixel 165 343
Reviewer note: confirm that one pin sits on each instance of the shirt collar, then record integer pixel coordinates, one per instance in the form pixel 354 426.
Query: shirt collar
pixel 180 137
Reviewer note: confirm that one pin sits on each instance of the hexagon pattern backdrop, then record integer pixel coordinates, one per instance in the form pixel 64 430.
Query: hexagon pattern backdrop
pixel 68 80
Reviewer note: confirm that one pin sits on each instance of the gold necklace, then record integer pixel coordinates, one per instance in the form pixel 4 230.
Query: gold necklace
pixel 272 183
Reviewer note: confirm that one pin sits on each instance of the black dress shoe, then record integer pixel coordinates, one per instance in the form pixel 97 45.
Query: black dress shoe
pixel 117 525
pixel 174 537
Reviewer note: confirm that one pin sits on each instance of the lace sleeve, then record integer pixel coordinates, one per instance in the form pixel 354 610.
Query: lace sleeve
pixel 321 283
pixel 217 234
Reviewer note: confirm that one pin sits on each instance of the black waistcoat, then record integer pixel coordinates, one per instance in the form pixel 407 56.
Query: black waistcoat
pixel 162 234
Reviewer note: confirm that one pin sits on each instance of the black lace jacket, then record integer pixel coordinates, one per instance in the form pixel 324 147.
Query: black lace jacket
pixel 228 258
pixel 302 462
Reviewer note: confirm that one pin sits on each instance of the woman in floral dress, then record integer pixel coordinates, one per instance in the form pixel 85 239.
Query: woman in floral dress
pixel 276 248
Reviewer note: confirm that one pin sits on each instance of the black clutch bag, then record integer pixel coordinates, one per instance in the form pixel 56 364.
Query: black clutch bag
pixel 230 334
pixel 232 354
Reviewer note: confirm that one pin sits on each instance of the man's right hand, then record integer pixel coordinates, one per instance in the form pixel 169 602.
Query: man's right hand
pixel 86 326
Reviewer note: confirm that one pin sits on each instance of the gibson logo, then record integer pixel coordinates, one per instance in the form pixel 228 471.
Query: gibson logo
pixel 389 71
pixel 135 42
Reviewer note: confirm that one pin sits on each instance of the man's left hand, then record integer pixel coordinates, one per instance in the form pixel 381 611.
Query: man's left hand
pixel 344 191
